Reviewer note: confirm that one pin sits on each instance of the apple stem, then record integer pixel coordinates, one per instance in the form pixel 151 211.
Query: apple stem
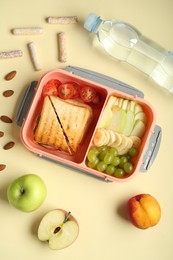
pixel 67 217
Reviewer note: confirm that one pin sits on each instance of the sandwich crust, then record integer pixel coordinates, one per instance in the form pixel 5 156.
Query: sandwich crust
pixel 49 131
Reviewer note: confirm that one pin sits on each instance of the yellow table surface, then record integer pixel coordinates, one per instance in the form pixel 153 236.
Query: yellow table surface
pixel 100 207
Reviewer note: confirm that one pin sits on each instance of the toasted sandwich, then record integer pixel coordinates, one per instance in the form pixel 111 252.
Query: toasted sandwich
pixel 63 123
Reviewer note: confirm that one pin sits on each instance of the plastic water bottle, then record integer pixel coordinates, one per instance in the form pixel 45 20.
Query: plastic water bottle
pixel 124 42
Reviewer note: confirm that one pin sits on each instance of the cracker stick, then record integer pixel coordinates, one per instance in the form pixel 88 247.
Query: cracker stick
pixel 62 47
pixel 11 54
pixel 62 19
pixel 27 31
pixel 34 55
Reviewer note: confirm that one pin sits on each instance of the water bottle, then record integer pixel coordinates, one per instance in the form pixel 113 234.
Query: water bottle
pixel 124 42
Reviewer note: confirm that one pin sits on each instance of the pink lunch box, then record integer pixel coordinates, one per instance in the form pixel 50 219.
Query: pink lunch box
pixel 31 104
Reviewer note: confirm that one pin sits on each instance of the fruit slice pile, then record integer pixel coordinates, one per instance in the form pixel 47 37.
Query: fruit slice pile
pixel 110 138
pixel 122 125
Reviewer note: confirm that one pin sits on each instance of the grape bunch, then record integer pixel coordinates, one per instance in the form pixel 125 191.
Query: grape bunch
pixel 106 159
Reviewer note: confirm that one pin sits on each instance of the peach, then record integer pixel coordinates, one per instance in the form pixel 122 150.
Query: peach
pixel 144 211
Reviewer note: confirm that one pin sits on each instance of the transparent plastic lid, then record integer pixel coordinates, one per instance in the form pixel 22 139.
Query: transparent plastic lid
pixel 91 22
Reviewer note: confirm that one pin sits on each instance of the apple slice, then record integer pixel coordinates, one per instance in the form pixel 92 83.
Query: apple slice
pixel 141 116
pixel 132 105
pixel 118 121
pixel 138 108
pixel 120 102
pixel 59 228
pixel 129 123
pixel 125 104
pixel 105 118
pixel 139 128
pixel 111 102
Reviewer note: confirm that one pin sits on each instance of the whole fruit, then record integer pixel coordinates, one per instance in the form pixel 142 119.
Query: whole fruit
pixel 144 211
pixel 27 192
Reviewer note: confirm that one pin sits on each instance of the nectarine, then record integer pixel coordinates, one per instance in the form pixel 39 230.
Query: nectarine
pixel 144 211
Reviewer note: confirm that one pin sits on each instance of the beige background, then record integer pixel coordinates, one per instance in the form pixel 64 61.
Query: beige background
pixel 105 232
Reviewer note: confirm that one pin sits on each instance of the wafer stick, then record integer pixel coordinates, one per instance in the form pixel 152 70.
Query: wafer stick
pixel 27 31
pixel 62 19
pixel 62 47
pixel 11 54
pixel 34 55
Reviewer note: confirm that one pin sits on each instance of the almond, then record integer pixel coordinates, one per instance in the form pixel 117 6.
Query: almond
pixel 9 145
pixel 1 134
pixel 10 75
pixel 2 167
pixel 8 93
pixel 6 119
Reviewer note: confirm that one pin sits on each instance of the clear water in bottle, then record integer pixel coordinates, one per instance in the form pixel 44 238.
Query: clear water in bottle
pixel 126 43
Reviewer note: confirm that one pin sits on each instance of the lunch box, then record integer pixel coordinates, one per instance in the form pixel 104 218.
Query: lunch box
pixel 31 104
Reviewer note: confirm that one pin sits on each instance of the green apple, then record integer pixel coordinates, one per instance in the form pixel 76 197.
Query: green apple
pixel 27 192
pixel 119 118
pixel 129 123
pixel 138 108
pixel 105 118
pixel 139 128
pixel 59 228
pixel 112 101
pixel 141 116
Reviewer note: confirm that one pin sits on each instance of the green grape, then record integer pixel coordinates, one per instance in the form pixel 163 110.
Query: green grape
pixel 92 164
pixel 91 156
pixel 123 160
pixel 95 150
pixel 116 161
pixel 102 155
pixel 133 151
pixel 113 151
pixel 110 169
pixel 102 148
pixel 128 167
pixel 108 158
pixel 119 173
pixel 101 166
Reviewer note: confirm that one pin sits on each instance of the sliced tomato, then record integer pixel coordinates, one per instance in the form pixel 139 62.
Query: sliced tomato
pixel 97 101
pixel 76 88
pixel 66 91
pixel 51 88
pixel 87 94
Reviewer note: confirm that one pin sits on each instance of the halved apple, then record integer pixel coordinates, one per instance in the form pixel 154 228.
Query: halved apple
pixel 59 228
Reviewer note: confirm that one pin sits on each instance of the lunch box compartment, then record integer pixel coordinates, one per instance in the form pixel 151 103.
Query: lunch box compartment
pixel 31 105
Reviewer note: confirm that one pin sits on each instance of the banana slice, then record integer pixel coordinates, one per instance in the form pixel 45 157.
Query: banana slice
pixel 128 146
pixel 136 141
pixel 123 144
pixel 111 137
pixel 118 140
pixel 99 137
pixel 107 136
